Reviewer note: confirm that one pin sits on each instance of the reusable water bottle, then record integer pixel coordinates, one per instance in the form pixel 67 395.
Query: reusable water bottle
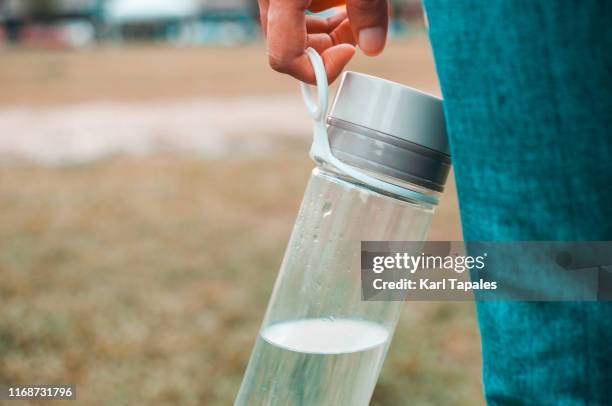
pixel 382 160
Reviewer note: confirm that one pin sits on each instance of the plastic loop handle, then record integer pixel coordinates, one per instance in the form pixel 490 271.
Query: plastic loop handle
pixel 316 109
pixel 321 150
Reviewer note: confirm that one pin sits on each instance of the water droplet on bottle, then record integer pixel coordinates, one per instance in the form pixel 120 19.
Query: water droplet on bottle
pixel 363 196
pixel 327 209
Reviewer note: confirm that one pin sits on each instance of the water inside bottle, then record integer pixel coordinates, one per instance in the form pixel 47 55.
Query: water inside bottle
pixel 315 361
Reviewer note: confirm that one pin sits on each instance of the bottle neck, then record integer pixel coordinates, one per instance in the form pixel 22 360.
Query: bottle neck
pixel 331 170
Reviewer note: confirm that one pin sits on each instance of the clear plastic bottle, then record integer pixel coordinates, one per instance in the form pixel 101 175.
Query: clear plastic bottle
pixel 320 344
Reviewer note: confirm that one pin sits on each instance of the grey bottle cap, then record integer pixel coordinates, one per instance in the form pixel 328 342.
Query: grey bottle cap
pixel 386 127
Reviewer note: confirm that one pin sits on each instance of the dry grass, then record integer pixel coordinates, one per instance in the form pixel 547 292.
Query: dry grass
pixel 155 72
pixel 144 281
pixel 141 281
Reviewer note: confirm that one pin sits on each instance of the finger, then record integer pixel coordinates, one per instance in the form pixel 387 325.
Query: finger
pixel 286 34
pixel 263 15
pixel 369 21
pixel 334 58
pixel 320 24
pixel 320 42
pixel 341 35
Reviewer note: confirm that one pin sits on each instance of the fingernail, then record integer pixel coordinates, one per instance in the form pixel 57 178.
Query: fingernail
pixel 372 40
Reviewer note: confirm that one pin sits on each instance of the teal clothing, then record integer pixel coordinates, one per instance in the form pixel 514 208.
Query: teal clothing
pixel 527 89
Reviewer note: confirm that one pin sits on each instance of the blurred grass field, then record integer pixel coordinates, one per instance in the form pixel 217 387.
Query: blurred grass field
pixel 144 279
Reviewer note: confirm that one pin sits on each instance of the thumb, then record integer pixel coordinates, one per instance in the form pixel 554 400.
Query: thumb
pixel 369 20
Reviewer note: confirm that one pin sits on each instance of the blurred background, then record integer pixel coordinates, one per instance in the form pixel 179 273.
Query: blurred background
pixel 151 167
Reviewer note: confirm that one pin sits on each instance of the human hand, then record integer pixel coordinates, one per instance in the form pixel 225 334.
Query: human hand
pixel 289 32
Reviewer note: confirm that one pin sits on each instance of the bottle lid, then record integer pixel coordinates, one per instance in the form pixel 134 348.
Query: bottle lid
pixel 392 109
pixel 390 128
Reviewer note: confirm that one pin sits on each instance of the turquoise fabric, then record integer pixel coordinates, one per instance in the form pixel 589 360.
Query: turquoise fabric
pixel 527 92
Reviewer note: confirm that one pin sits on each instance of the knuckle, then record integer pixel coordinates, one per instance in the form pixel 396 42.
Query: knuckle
pixel 278 63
